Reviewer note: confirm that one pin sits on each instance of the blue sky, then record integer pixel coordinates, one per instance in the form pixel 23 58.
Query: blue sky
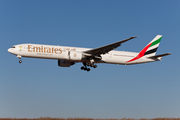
pixel 39 88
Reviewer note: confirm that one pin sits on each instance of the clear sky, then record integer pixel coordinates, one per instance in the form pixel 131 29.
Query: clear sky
pixel 39 88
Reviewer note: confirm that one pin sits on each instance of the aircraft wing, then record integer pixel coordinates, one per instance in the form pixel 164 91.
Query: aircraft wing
pixel 105 49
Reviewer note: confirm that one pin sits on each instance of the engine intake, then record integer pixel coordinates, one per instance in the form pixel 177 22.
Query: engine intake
pixel 65 63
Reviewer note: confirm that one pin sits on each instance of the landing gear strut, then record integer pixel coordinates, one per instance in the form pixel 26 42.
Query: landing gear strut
pixel 20 61
pixel 86 65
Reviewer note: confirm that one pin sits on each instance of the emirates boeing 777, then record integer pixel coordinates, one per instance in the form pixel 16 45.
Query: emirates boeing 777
pixel 68 56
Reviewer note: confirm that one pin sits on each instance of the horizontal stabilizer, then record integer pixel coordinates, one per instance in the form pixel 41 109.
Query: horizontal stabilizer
pixel 157 56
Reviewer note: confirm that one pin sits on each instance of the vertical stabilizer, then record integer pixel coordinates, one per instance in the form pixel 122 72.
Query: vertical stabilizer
pixel 153 46
pixel 150 49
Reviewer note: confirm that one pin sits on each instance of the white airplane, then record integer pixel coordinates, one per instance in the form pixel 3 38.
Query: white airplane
pixel 68 56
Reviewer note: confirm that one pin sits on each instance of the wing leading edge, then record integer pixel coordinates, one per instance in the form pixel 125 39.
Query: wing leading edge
pixel 105 49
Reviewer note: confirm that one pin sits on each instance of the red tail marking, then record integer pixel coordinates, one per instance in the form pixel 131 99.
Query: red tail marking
pixel 141 54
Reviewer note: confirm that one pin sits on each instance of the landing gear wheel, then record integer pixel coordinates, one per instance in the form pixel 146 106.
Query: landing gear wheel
pixel 82 68
pixel 20 61
pixel 85 68
pixel 95 66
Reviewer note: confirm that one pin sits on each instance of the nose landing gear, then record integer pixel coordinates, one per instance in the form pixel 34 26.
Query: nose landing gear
pixel 18 56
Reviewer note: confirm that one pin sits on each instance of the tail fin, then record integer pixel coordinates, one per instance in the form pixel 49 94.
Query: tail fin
pixel 153 46
pixel 150 49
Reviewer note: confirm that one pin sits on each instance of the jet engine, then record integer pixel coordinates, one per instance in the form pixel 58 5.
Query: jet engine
pixel 65 63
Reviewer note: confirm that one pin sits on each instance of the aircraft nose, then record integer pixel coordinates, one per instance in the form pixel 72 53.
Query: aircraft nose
pixel 9 50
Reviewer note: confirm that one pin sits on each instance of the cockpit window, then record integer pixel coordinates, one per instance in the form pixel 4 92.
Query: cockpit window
pixel 13 47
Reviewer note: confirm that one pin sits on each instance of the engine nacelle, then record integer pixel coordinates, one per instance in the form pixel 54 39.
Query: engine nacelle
pixel 65 63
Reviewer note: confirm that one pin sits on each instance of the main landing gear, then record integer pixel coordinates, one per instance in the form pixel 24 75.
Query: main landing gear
pixel 86 65
pixel 18 56
pixel 85 68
